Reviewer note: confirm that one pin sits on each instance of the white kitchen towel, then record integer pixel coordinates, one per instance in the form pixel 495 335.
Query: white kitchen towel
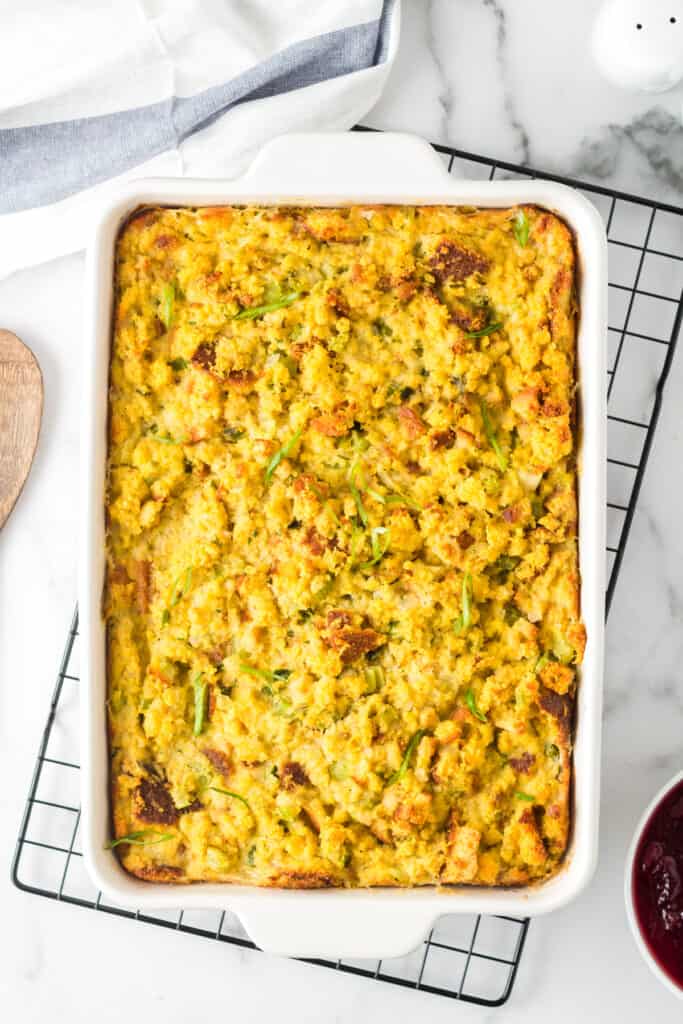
pixel 93 92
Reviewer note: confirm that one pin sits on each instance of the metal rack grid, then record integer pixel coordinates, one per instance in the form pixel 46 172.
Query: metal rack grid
pixel 473 958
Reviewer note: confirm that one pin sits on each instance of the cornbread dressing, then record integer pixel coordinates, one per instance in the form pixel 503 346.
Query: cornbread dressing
pixel 342 595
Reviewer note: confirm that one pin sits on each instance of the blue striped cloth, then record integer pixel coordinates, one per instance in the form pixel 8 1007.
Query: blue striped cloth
pixel 136 88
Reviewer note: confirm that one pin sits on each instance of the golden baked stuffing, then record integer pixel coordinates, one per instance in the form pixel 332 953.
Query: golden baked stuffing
pixel 342 591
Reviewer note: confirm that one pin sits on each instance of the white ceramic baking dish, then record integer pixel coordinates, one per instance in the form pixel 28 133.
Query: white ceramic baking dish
pixel 337 169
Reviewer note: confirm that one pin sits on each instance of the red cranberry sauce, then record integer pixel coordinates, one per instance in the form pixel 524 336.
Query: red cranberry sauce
pixel 658 884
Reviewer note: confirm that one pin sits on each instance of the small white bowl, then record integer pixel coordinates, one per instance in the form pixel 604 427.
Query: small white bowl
pixel 640 940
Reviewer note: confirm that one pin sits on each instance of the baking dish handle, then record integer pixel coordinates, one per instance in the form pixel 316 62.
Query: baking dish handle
pixel 335 925
pixel 304 163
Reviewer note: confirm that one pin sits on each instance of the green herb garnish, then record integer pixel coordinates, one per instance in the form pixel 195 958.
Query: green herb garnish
pixel 356 536
pixel 283 453
pixel 200 695
pixel 491 436
pixel 232 434
pixel 521 228
pixel 553 751
pixel 511 614
pixel 489 329
pixel 326 589
pixel 362 514
pixel 472 705
pixel 229 792
pixel 374 677
pixel 254 312
pixel 178 364
pixel 405 763
pixel 499 570
pixel 181 589
pixel 139 838
pixel 464 620
pixel 542 660
pixel 279 674
pixel 525 796
pixel 394 499
pixel 537 507
pixel 379 550
pixel 166 309
pixel 382 328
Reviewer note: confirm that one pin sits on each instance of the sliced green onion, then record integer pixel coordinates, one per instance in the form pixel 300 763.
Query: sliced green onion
pixel 140 838
pixel 362 514
pixel 374 677
pixel 164 440
pixel 360 443
pixel 542 660
pixel 499 570
pixel 382 328
pixel 339 771
pixel 402 499
pixel 260 673
pixel 180 590
pixel 357 534
pixel 521 228
pixel 489 329
pixel 166 309
pixel 283 453
pixel 405 763
pixel 263 673
pixel 229 792
pixel 178 364
pixel 490 434
pixel 511 614
pixel 233 434
pixel 466 600
pixel 464 620
pixel 552 750
pixel 200 695
pixel 394 499
pixel 378 550
pixel 525 796
pixel 254 312
pixel 537 507
pixel 472 705
pixel 324 591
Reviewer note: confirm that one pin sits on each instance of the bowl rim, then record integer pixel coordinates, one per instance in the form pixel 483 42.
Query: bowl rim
pixel 631 915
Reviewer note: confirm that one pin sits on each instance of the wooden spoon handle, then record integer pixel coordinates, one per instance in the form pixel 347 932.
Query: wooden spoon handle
pixel 21 409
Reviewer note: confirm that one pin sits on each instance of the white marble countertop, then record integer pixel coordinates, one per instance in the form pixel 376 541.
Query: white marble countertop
pixel 509 78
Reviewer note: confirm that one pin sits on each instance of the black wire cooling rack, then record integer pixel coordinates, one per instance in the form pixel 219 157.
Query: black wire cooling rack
pixel 473 958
